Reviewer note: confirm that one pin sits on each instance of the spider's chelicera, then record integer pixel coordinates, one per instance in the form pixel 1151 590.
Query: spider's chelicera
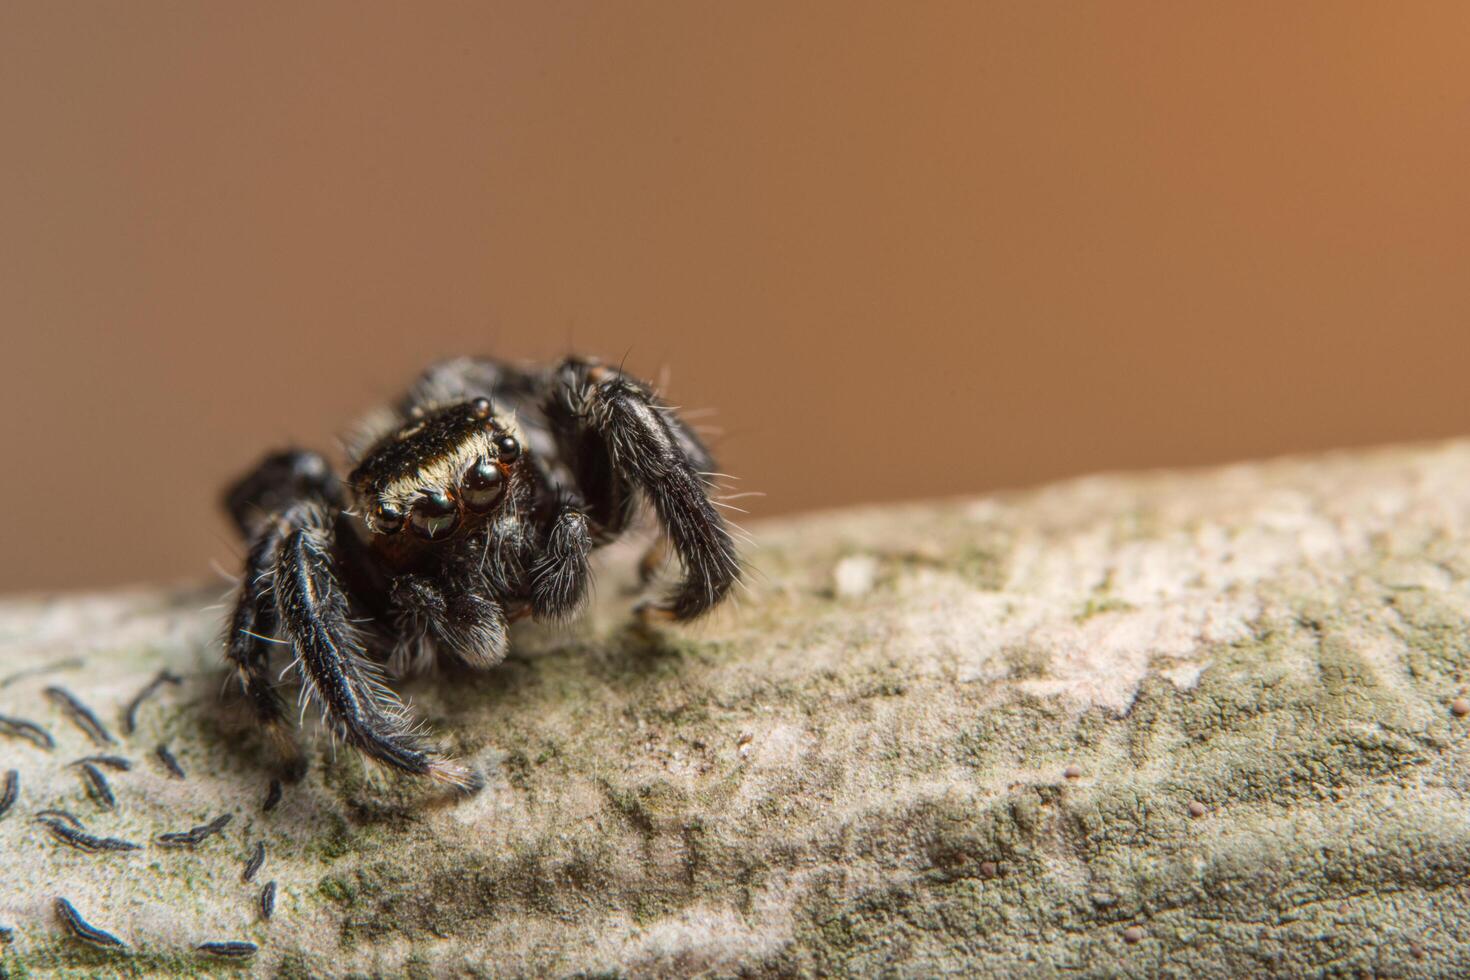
pixel 474 501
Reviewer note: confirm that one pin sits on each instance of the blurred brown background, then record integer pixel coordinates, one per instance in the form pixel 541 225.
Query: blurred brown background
pixel 906 249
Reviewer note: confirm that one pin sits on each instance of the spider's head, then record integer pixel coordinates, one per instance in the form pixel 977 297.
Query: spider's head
pixel 438 471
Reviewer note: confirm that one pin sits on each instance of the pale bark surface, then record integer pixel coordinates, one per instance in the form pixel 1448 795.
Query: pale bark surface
pixel 1197 724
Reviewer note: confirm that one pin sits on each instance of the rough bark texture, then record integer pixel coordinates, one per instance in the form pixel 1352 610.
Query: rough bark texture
pixel 1195 724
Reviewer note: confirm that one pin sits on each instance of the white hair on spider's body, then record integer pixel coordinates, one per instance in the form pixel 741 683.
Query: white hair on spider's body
pixel 449 443
pixel 442 472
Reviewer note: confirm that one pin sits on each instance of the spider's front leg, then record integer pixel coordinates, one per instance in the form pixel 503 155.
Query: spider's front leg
pixel 314 613
pixel 618 437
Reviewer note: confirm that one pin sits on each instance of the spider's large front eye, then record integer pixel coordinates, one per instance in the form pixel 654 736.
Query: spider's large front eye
pixel 433 516
pixel 481 486
pixel 387 519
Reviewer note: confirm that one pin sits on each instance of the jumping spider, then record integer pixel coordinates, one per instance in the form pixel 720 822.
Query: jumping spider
pixel 473 502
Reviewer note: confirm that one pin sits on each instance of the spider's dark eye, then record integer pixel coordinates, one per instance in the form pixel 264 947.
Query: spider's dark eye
pixel 387 519
pixel 510 450
pixel 481 486
pixel 481 407
pixel 434 516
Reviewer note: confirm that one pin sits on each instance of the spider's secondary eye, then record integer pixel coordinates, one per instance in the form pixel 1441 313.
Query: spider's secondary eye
pixel 434 516
pixel 510 450
pixel 387 519
pixel 481 407
pixel 481 486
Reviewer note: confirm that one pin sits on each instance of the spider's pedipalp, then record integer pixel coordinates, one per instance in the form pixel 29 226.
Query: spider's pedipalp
pixel 460 617
pixel 560 577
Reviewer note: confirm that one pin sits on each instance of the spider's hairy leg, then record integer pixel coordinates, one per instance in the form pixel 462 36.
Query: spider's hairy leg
pixel 650 447
pixel 313 610
pixel 278 481
pixel 561 575
pixel 456 610
pixel 249 641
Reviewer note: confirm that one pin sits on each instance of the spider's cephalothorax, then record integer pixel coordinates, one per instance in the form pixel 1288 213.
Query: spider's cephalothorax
pixel 473 502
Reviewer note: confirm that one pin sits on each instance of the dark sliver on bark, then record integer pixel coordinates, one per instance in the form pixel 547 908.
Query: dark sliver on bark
pixel 98 787
pixel 130 717
pixel 194 835
pixel 71 663
pixel 169 762
pixel 84 930
pixel 11 791
pixel 256 860
pixel 65 815
pixel 28 730
pixel 234 949
pixel 83 841
pixel 81 715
